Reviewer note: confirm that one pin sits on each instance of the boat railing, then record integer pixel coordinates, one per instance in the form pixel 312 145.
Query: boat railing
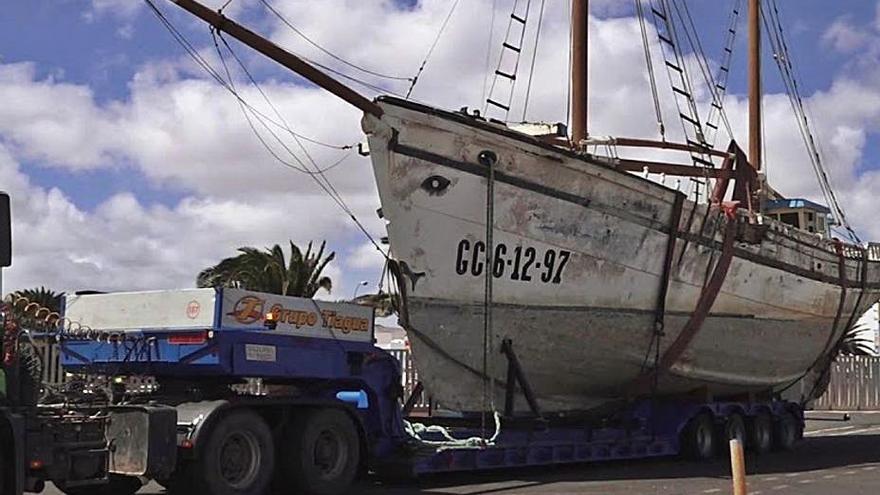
pixel 873 251
pixel 855 252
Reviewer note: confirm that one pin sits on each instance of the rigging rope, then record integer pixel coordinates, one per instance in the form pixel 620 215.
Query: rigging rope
pixel 534 57
pixel 568 95
pixel 517 49
pixel 646 45
pixel 318 172
pixel 328 52
pixel 489 50
pixel 415 79
pixel 416 430
pixel 488 159
pixel 783 59
pixel 684 14
pixel 301 168
pixel 716 109
pixel 323 181
pixel 201 62
pixel 677 69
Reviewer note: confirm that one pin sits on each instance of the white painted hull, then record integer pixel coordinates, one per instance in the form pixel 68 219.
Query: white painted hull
pixel 582 328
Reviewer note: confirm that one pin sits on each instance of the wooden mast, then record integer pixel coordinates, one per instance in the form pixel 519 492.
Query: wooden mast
pixel 580 11
pixel 280 55
pixel 755 90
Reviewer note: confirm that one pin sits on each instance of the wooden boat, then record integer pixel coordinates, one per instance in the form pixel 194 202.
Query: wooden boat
pixel 606 285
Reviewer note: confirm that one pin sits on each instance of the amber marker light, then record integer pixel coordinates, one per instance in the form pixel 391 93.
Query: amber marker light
pixel 271 321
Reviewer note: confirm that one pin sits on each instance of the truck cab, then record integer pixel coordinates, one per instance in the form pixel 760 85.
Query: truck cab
pixel 38 443
pixel 11 423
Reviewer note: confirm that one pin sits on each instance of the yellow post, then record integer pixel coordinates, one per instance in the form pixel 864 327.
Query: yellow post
pixel 738 467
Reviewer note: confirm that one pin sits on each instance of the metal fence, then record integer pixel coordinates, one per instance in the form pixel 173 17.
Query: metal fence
pixel 410 377
pixel 50 355
pixel 854 386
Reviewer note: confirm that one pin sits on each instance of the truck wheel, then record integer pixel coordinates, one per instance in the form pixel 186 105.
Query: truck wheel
pixel 238 457
pixel 761 433
pixel 698 438
pixel 734 428
pixel 324 453
pixel 116 485
pixel 786 432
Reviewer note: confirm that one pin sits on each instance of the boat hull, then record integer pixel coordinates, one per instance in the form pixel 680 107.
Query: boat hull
pixel 578 254
pixel 582 358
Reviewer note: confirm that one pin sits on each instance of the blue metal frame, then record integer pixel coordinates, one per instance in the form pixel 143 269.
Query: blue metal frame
pixel 652 428
pixel 222 354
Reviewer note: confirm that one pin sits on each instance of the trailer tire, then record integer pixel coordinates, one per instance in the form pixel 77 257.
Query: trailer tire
pixel 238 458
pixel 322 453
pixel 116 485
pixel 734 428
pixel 786 432
pixel 698 438
pixel 761 433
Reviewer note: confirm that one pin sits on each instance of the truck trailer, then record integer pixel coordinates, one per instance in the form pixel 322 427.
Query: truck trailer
pixel 229 391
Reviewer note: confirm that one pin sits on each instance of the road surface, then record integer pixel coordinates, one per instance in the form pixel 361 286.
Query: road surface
pixel 835 457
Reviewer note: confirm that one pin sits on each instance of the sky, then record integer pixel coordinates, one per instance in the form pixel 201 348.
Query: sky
pixel 131 168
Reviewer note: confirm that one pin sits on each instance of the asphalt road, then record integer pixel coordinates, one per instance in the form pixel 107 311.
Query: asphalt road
pixel 836 457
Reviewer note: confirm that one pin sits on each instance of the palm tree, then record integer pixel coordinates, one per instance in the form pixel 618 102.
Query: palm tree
pixel 858 341
pixel 267 270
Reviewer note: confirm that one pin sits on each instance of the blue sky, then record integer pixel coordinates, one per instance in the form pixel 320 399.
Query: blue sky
pixel 68 41
pixel 120 59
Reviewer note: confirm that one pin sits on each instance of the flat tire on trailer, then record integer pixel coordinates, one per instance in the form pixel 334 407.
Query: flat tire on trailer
pixel 116 485
pixel 786 432
pixel 321 454
pixel 698 438
pixel 761 433
pixel 237 458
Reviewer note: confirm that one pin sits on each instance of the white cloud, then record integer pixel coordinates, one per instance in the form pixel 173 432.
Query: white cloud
pixel 126 245
pixel 128 9
pixel 844 36
pixel 366 256
pixel 178 128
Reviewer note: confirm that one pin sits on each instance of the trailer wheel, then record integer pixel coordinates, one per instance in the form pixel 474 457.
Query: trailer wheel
pixel 238 457
pixel 698 438
pixel 324 453
pixel 761 433
pixel 116 485
pixel 786 432
pixel 734 429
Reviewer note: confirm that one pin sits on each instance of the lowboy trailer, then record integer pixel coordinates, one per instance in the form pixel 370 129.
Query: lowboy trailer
pixel 329 406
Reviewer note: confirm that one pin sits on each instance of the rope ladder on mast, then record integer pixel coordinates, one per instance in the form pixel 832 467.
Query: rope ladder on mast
pixel 501 91
pixel 681 85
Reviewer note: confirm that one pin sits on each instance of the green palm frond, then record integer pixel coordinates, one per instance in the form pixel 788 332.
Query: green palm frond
pixel 270 270
pixel 855 342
